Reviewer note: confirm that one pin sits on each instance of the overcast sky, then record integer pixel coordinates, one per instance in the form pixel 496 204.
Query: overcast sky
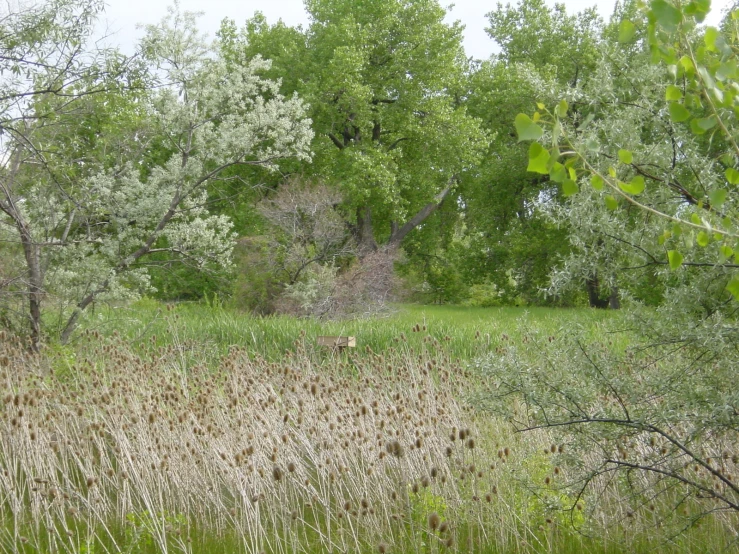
pixel 123 15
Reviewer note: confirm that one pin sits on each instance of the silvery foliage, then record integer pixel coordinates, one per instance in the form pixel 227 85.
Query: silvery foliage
pixel 626 97
pixel 657 404
pixel 205 116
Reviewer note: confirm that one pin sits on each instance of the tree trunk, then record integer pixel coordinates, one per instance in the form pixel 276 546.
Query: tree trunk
pixel 366 242
pixel 31 250
pixel 35 286
pixel 592 284
pixel 398 233
pixel 614 301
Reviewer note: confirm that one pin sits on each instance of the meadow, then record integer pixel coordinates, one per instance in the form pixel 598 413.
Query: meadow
pixel 193 428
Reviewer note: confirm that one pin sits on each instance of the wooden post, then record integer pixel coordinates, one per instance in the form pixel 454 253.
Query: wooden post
pixel 337 342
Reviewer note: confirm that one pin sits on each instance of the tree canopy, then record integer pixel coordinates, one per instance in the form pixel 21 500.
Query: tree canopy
pixel 385 82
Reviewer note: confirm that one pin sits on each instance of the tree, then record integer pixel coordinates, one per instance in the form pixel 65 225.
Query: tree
pixel 42 58
pixel 509 243
pixel 307 229
pixel 544 53
pixel 534 33
pixel 95 221
pixel 654 170
pixel 384 81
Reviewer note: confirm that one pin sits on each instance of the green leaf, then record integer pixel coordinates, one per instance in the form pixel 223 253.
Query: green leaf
pixel 717 198
pixel 710 38
pixel 666 15
pixel 527 129
pixel 726 70
pixel 732 175
pixel 702 239
pixel 673 93
pixel 569 187
pixel 696 128
pixel 561 109
pixel 558 173
pixel 635 187
pixel 597 182
pixel 586 121
pixel 733 288
pixel 678 112
pixel 687 64
pixel 675 258
pixel 698 9
pixel 626 31
pixel 707 122
pixel 625 156
pixel 706 76
pixel 611 202
pixel 726 252
pixel 538 159
pixel 592 144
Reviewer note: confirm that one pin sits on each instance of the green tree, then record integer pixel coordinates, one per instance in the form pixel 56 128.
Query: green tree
pixel 544 53
pixel 384 81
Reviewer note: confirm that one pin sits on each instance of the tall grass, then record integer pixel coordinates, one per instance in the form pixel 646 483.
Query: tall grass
pixel 468 332
pixel 164 448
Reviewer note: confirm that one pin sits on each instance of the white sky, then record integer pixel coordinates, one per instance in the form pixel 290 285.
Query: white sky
pixel 123 15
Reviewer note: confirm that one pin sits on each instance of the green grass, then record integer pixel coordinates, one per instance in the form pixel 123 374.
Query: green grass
pixel 468 332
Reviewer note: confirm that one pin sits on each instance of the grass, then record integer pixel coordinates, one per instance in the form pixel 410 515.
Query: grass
pixel 468 332
pixel 195 429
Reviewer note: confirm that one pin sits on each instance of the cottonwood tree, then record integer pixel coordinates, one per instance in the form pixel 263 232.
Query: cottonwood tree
pixel 385 82
pixel 543 54
pixel 656 170
pixel 87 225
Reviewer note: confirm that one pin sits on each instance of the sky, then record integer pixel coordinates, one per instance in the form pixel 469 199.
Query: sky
pixel 122 16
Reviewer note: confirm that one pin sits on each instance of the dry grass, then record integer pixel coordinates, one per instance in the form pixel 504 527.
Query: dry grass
pixel 107 451
pixel 292 457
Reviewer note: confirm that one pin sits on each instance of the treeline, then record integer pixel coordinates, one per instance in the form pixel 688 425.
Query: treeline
pixel 319 170
pixel 414 153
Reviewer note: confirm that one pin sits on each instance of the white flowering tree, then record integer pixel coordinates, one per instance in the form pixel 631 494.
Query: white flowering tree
pixel 109 168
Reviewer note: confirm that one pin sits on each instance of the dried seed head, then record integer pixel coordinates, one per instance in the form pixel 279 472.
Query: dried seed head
pixel 276 473
pixel 434 521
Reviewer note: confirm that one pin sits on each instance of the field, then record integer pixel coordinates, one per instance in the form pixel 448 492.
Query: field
pixel 192 428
